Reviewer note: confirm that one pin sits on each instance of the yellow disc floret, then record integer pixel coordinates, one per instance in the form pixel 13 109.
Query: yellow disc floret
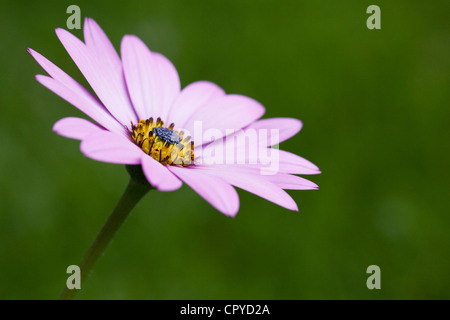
pixel 163 144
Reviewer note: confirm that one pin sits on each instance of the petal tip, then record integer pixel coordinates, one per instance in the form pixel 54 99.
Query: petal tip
pixel 299 125
pixel 40 77
pixel 130 37
pixel 231 214
pixel 60 32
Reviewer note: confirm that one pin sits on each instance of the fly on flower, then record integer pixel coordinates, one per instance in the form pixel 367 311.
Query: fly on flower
pixel 143 117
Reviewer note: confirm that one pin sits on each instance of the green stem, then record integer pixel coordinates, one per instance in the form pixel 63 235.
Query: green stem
pixel 136 189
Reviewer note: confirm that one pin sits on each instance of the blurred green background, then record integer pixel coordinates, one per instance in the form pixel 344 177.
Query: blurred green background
pixel 375 108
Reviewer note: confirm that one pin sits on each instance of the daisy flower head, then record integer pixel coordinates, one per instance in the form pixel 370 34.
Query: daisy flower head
pixel 199 135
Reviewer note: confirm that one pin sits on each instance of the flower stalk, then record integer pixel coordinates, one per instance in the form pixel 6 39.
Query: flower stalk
pixel 137 188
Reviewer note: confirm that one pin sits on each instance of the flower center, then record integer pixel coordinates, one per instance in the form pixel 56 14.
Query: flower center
pixel 163 144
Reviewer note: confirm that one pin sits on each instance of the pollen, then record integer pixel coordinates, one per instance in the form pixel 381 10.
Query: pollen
pixel 164 144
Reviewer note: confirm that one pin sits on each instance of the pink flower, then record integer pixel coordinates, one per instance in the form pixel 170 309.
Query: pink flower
pixel 139 94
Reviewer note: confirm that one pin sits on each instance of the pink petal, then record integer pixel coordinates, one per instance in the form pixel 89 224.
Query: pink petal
pixel 158 175
pixel 292 163
pixel 251 142
pixel 229 112
pixel 98 43
pixel 70 90
pixel 284 162
pixel 253 183
pixel 229 151
pixel 76 128
pixel 287 128
pixel 217 192
pixel 283 180
pixel 192 97
pixel 111 147
pixel 104 76
pixel 151 78
pixel 291 182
